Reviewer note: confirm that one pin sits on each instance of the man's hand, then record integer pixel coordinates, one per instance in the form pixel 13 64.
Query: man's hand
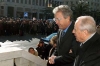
pixel 51 59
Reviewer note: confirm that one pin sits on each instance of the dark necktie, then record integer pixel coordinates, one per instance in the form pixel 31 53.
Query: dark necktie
pixel 62 33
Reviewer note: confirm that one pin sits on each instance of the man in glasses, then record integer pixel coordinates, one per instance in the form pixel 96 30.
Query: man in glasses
pixel 63 53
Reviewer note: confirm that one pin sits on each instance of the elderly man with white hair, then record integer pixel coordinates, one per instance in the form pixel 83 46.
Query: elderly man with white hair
pixel 85 33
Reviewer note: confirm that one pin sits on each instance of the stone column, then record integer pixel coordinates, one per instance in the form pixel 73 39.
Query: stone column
pixel 15 10
pixel 38 13
pixel 5 10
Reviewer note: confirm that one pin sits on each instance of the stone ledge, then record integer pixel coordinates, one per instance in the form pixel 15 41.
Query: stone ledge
pixel 17 53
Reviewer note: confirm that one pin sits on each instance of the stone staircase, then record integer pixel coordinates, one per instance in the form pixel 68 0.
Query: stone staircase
pixel 11 55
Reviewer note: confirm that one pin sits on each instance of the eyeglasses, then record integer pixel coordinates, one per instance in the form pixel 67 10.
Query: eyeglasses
pixel 57 19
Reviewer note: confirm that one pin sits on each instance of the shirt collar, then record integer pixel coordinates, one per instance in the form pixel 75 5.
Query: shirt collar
pixel 89 37
pixel 67 27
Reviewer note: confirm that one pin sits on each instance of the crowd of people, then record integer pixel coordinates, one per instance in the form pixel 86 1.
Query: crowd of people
pixel 11 26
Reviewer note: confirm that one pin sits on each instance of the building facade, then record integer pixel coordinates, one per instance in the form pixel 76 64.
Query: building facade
pixel 33 8
pixel 25 8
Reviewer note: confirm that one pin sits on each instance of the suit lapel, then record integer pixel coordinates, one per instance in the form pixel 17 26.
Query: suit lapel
pixel 68 33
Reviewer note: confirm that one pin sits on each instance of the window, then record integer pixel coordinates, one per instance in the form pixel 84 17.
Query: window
pixel 91 3
pixel 43 3
pixel 33 2
pixel 66 2
pixel 13 0
pixel 71 2
pixel 40 3
pixel 1 0
pixel 76 2
pixel 87 2
pixel 2 7
pixel 21 1
pixel 30 2
pixel 8 0
pixel 61 3
pixel 57 3
pixel 25 1
pixel 36 2
pixel 17 1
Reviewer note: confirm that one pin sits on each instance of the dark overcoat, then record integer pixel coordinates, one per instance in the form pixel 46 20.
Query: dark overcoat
pixel 90 52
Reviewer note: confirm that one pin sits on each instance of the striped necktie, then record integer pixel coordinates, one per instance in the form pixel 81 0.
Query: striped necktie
pixel 60 34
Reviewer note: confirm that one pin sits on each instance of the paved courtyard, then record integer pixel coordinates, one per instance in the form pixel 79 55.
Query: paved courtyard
pixel 23 42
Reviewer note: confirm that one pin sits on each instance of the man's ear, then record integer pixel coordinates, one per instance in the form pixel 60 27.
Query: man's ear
pixel 85 32
pixel 68 18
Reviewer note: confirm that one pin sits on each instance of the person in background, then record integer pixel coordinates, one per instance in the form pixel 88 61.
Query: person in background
pixel 53 43
pixel 98 29
pixel 41 50
pixel 62 55
pixel 33 51
pixel 85 33
pixel 47 49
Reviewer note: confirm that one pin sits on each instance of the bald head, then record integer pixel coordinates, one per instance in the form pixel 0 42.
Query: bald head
pixel 84 27
pixel 87 23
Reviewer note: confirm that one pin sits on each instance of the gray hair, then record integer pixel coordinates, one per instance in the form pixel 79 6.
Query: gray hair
pixel 87 23
pixel 65 9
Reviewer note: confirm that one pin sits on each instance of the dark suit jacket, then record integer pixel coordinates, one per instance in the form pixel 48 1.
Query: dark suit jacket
pixel 64 58
pixel 90 52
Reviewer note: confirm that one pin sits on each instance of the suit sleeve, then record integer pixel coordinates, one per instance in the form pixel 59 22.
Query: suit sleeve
pixel 69 57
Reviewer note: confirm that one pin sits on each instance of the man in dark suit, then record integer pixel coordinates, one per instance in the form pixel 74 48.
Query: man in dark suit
pixel 89 51
pixel 63 18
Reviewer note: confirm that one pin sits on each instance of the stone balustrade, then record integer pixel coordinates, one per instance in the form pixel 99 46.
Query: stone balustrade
pixel 21 58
